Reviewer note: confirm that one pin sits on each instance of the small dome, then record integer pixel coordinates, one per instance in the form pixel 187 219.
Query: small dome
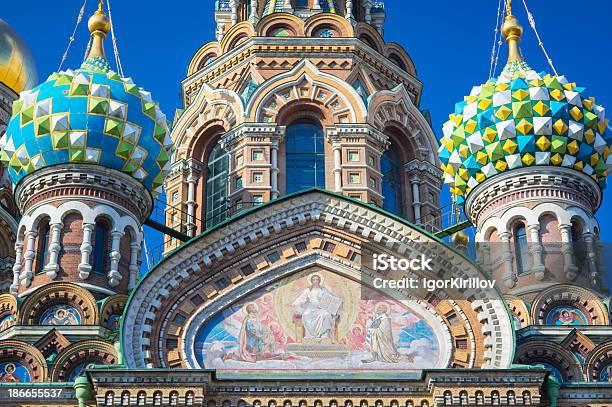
pixel 520 119
pixel 17 68
pixel 91 115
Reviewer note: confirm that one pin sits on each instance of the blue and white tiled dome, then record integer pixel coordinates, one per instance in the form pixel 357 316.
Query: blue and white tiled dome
pixel 91 115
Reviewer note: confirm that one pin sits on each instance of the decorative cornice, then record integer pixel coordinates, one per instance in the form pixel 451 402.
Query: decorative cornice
pixel 41 184
pixel 419 167
pixel 338 131
pixel 301 48
pixel 538 184
pixel 185 168
pixel 266 130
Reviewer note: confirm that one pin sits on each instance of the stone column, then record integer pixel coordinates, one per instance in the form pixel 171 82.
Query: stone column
pixel 114 276
pixel 508 276
pixel 316 5
pixel 253 15
pixel 368 6
pixel 599 250
pixel 349 11
pixel 28 274
pixel 288 7
pixel 52 267
pixel 86 248
pixel 536 252
pixel 192 180
pixel 274 170
pixel 337 167
pixel 571 271
pixel 17 267
pixel 234 8
pixel 415 181
pixel 594 277
pixel 134 247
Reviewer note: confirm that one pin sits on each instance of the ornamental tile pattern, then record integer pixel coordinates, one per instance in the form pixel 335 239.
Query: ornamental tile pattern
pixel 523 119
pixel 91 115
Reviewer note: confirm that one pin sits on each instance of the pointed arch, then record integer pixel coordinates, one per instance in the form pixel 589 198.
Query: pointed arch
pixel 211 107
pixel 396 106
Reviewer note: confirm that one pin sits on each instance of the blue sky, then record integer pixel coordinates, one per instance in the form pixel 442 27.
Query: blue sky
pixel 449 41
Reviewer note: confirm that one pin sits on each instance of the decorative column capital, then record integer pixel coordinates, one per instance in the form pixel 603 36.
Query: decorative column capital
pixel 31 234
pixel 88 226
pixel 417 166
pixel 266 130
pixel 504 236
pixel 534 227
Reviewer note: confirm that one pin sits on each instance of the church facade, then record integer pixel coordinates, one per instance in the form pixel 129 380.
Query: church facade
pixel 300 157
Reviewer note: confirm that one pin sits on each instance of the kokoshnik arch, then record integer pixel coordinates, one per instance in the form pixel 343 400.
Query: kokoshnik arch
pixel 301 150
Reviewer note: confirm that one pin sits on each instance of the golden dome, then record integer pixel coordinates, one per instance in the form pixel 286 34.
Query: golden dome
pixel 461 239
pixel 17 69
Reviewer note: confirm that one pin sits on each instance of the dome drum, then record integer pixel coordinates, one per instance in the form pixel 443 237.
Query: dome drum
pixel 91 182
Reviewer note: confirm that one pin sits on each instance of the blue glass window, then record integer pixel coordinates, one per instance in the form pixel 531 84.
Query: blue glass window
pixel 520 248
pixel 390 167
pixel 101 243
pixel 305 157
pixel 301 3
pixel 43 246
pixel 217 169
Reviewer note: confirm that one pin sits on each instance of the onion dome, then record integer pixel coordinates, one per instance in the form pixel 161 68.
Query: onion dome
pixel 523 118
pixel 91 115
pixel 17 69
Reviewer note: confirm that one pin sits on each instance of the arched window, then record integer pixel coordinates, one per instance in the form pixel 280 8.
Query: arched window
pixel 157 398
pixel 101 245
pixel 526 398
pixel 391 166
pixel 142 398
pixel 189 398
pixel 448 398
pixel 511 397
pixel 479 398
pixel 174 398
pixel 43 244
pixel 521 251
pixel 217 170
pixel 578 244
pixel 495 398
pixel 463 398
pixel 305 157
pixel 125 398
pixel 109 399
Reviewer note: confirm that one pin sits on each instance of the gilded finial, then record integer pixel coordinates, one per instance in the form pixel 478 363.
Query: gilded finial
pixel 512 31
pixel 99 26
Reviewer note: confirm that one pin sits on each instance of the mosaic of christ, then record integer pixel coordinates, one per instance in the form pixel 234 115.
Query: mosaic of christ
pixel 317 320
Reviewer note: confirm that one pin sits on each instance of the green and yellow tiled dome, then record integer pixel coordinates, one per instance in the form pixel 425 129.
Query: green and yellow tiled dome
pixel 91 115
pixel 520 119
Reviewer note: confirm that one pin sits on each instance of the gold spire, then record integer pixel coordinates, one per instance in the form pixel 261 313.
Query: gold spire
pixel 512 31
pixel 99 26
